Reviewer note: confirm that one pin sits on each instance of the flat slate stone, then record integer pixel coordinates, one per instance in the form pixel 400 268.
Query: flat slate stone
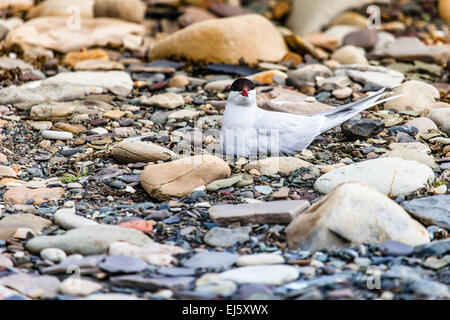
pixel 176 272
pixel 211 260
pixel 435 248
pixel 395 248
pixel 434 210
pixel 261 213
pixel 123 264
pixel 137 281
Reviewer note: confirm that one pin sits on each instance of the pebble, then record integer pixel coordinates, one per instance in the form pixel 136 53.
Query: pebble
pixel 211 260
pixel 350 55
pixel 57 135
pixel 123 264
pixel 259 259
pixel 431 210
pixel 53 254
pixel 270 274
pixel 67 219
pixel 79 287
pixel 361 129
pixel 88 239
pixel 394 248
pixel 224 237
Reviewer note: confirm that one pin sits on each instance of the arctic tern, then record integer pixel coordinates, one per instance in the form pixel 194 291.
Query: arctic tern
pixel 249 131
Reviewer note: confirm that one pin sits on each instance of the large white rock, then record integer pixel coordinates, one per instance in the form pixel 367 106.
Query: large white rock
pixel 270 274
pixel 390 176
pixel 354 213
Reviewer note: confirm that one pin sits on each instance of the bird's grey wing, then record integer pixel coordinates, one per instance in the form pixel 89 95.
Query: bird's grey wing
pixel 286 133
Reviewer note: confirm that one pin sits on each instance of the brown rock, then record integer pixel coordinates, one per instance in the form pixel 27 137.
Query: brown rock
pixel 130 10
pixel 265 212
pixel 10 224
pixel 323 41
pixel 56 111
pixel 301 45
pixel 350 19
pixel 290 101
pixel 114 114
pixel 223 41
pixel 179 82
pixel 16 5
pixel 350 55
pixel 444 10
pixel 72 128
pixel 52 33
pixel 266 77
pixel 274 165
pixel 24 195
pixel 364 38
pixel 411 49
pixel 99 65
pixel 282 193
pixel 7 172
pixel 62 8
pixel 137 150
pixel 178 178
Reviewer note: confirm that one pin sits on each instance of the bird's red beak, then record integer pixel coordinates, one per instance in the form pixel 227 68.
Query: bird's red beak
pixel 244 93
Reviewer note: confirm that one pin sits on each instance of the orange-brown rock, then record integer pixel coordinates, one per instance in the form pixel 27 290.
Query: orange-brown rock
pixel 180 177
pixel 251 38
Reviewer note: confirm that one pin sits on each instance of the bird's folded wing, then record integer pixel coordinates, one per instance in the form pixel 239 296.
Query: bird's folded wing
pixel 293 132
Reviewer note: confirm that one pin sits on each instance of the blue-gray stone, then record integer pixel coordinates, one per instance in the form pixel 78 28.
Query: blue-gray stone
pixel 434 210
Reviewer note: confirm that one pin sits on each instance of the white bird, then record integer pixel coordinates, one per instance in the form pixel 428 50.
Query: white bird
pixel 249 131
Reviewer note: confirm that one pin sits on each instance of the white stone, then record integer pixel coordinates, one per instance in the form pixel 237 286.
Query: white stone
pixel 259 259
pixel 276 274
pixel 67 219
pixel 273 165
pixel 79 287
pixel 164 100
pixel 53 254
pixel 57 135
pixel 390 176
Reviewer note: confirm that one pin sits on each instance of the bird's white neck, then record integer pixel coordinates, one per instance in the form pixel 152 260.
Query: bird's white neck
pixel 240 112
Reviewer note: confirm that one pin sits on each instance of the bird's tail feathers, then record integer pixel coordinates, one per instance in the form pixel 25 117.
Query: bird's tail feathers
pixel 336 116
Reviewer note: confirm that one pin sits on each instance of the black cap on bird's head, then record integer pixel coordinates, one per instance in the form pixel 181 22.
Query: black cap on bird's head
pixel 243 86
